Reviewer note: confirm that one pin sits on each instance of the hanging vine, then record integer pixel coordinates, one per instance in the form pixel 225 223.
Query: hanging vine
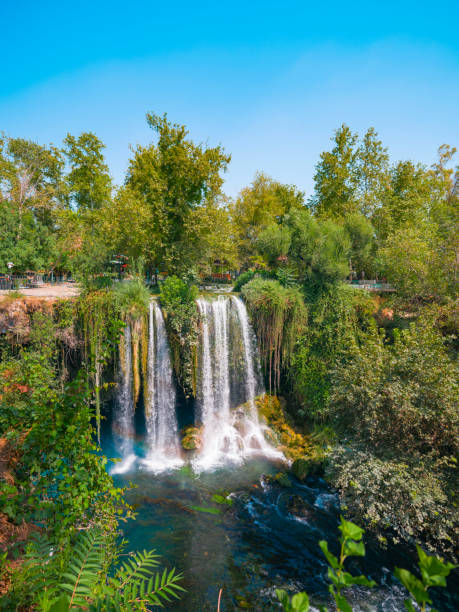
pixel 101 329
pixel 279 317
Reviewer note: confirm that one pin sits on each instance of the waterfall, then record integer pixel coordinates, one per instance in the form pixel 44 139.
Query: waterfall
pixel 123 422
pixel 248 342
pixel 228 354
pixel 160 417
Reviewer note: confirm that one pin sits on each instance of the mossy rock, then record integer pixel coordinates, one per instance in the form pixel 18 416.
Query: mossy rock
pixel 307 466
pixel 301 468
pixel 283 480
pixel 192 438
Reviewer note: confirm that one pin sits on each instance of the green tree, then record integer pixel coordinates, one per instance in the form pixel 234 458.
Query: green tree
pixel 335 178
pixel 261 205
pixel 372 173
pixel 319 248
pixel 174 176
pixel 274 242
pixel 88 180
pixel 362 237
pixel 31 193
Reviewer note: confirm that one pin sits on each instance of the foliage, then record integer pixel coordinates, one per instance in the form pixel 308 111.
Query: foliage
pixel 132 299
pixel 85 576
pixel 433 574
pixel 319 249
pixel 178 300
pixel 337 318
pixel 259 206
pixel 416 262
pixel 243 279
pixel 361 234
pixel 408 499
pixel 351 178
pixel 56 478
pixel 173 177
pixel 31 192
pixel 335 180
pixel 88 182
pixel 402 395
pixel 274 242
pixel 101 327
pixel 280 316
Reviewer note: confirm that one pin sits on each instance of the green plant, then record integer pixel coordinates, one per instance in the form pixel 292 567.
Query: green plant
pixel 101 327
pixel 243 279
pixel 132 298
pixel 87 576
pixel 298 603
pixel 433 574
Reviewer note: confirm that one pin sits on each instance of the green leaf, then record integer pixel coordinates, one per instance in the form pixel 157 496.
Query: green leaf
pixel 220 499
pixel 413 585
pixel 208 510
pixel 433 570
pixel 333 561
pixel 351 531
pixel 300 602
pixel 409 605
pixel 348 580
pixel 60 605
pixel 342 603
pixel 354 549
pixel 283 598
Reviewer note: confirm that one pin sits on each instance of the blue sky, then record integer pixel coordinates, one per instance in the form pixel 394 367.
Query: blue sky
pixel 270 81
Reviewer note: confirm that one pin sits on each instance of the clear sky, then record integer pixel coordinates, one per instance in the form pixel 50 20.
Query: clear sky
pixel 270 81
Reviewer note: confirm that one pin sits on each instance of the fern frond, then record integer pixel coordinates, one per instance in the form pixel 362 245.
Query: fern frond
pixel 82 574
pixel 139 566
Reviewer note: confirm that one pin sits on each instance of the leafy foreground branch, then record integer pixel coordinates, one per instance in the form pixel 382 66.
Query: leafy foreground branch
pixel 433 573
pixel 89 579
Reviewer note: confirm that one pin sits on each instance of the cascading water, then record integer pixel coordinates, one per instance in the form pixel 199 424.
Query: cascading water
pixel 123 423
pixel 228 435
pixel 160 417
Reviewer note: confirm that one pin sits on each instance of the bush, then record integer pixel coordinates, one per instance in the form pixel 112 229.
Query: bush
pixel 409 500
pixel 337 317
pixel 243 279
pixel 402 395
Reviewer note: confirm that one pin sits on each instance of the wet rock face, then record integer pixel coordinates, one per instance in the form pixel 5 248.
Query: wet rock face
pixel 192 438
pixel 297 506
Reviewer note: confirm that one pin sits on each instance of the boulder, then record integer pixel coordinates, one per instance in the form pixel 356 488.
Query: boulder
pixel 192 438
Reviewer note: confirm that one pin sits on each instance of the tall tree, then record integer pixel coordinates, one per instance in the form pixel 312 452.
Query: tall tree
pixel 372 173
pixel 335 178
pixel 89 183
pixel 31 194
pixel 264 203
pixel 174 176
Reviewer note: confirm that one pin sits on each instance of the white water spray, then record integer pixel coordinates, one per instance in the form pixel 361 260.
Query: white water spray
pixel 161 420
pixel 228 435
pixel 123 423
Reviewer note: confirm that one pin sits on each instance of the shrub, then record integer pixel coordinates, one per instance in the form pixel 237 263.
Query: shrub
pixel 399 499
pixel 402 395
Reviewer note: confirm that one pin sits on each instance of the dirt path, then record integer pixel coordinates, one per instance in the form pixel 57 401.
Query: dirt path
pixel 63 290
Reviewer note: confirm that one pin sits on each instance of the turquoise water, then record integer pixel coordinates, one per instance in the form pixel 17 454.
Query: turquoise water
pixel 264 538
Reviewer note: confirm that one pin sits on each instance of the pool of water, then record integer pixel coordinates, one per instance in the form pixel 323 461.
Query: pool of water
pixel 265 538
